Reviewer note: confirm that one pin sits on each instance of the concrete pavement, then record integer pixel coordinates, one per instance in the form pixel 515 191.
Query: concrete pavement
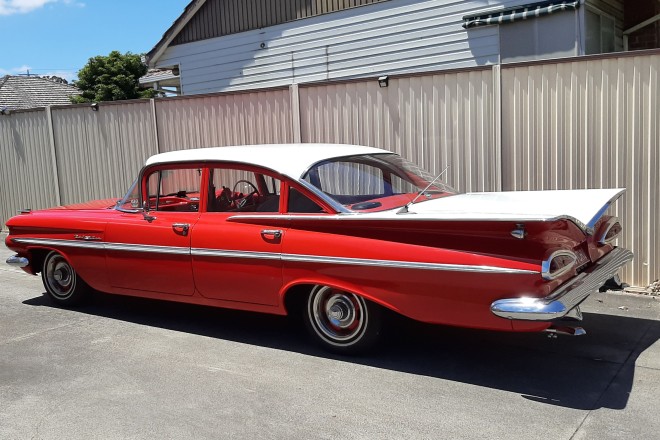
pixel 124 368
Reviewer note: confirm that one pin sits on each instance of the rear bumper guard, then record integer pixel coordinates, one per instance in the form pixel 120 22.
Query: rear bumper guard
pixel 568 296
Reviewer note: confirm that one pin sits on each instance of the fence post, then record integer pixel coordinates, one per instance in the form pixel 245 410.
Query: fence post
pixel 155 120
pixel 53 154
pixel 295 113
pixel 497 123
pixel 4 188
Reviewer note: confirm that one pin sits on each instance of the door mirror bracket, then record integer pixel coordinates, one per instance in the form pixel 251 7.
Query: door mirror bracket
pixel 145 212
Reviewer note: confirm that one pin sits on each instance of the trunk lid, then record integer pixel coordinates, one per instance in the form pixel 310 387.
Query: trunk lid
pixel 583 207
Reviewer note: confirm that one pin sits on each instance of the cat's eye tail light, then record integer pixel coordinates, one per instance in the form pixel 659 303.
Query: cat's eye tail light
pixel 609 231
pixel 557 264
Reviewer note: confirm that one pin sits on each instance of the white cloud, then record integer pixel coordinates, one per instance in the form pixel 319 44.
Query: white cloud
pixel 10 7
pixel 74 3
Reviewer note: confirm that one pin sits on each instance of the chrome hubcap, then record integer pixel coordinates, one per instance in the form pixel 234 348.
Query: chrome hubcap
pixel 337 316
pixel 340 311
pixel 60 277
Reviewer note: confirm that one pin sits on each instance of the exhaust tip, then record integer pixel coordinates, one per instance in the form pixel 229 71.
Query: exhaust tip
pixel 565 330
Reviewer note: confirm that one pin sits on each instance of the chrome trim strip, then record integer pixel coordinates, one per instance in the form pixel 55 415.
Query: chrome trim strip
pixel 402 264
pixel 300 258
pixel 300 216
pixel 323 196
pixel 592 223
pixel 108 246
pixel 567 297
pixel 358 217
pixel 17 261
pixel 202 252
pixel 59 242
pixel 226 253
pixel 124 247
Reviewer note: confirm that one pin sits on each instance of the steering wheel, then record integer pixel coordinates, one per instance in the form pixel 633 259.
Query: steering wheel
pixel 248 199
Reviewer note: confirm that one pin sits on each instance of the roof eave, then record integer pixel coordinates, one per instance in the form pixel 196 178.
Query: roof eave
pixel 154 54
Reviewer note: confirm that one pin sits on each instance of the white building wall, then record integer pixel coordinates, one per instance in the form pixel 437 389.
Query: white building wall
pixel 395 37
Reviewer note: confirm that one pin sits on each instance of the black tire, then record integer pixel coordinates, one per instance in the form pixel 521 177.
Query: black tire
pixel 63 285
pixel 340 321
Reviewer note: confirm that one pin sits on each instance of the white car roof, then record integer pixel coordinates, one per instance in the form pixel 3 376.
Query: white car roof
pixel 288 159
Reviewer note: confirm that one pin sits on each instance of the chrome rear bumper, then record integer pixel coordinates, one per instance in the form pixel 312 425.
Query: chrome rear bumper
pixel 568 296
pixel 17 261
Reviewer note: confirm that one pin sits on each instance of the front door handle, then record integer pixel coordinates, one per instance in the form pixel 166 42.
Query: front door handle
pixel 275 233
pixel 183 227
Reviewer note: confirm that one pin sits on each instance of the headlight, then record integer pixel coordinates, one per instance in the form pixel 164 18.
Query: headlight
pixel 557 264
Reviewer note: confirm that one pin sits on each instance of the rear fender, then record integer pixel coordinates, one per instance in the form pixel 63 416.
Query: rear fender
pixel 334 283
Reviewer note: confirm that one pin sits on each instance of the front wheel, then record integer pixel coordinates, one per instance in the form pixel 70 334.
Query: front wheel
pixel 63 285
pixel 341 321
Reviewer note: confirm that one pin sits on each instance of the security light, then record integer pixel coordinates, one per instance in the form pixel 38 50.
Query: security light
pixel 383 81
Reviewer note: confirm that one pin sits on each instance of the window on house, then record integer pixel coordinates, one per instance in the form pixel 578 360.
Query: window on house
pixel 550 36
pixel 599 32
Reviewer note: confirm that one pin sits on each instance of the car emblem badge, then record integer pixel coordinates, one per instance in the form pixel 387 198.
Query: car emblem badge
pixel 86 237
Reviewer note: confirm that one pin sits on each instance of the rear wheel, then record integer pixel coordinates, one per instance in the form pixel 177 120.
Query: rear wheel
pixel 341 321
pixel 63 285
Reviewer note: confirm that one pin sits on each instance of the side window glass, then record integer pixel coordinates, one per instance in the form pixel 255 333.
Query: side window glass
pixel 174 190
pixel 238 190
pixel 348 179
pixel 300 203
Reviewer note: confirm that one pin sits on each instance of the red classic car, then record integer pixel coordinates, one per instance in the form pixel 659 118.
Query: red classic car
pixel 333 233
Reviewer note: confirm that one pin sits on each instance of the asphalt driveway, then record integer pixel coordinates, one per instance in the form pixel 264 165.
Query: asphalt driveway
pixel 123 368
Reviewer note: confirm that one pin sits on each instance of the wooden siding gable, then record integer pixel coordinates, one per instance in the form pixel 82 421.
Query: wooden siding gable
pixel 216 18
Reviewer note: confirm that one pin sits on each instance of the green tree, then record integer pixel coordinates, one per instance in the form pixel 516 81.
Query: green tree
pixel 112 78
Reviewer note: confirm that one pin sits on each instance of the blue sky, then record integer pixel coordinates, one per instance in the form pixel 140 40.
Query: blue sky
pixel 57 37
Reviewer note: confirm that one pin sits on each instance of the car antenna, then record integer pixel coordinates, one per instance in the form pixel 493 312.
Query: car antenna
pixel 404 209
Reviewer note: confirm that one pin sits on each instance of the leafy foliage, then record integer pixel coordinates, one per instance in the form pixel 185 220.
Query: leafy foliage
pixel 112 78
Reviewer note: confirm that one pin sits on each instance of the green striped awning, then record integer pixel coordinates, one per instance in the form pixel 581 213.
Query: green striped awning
pixel 517 13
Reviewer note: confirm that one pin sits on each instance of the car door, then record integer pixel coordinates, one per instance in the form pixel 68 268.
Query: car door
pixel 237 243
pixel 151 251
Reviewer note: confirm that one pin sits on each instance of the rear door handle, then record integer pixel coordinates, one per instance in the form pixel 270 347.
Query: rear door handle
pixel 183 227
pixel 275 233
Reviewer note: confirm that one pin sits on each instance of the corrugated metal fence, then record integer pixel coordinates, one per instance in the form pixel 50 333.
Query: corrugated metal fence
pixel 577 123
pixel 590 124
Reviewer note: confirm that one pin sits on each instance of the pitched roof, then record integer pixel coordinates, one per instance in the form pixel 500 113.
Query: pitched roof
pixel 191 9
pixel 23 92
